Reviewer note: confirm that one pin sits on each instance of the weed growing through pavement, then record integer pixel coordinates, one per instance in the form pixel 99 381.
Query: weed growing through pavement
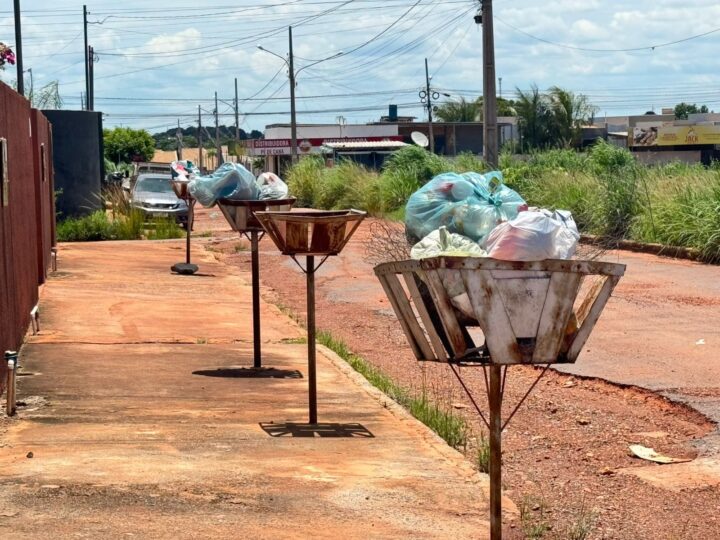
pixel 201 341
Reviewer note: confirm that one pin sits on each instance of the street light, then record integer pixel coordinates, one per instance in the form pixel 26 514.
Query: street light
pixel 292 74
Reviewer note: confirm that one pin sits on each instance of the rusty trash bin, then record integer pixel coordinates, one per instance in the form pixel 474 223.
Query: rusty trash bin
pixel 538 313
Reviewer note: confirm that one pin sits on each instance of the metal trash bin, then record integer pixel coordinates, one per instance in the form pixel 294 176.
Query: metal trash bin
pixel 240 215
pixel 311 233
pixel 529 313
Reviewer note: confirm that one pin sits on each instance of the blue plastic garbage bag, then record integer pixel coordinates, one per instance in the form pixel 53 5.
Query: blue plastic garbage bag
pixel 229 181
pixel 470 204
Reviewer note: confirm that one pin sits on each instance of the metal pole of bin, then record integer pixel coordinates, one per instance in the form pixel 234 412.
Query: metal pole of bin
pixel 254 248
pixel 190 218
pixel 495 402
pixel 312 372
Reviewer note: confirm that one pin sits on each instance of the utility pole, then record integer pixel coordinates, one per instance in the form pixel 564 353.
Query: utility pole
pixel 500 87
pixel 178 136
pixel 218 148
pixel 18 50
pixel 490 135
pixel 237 119
pixel 32 86
pixel 199 139
pixel 293 121
pixel 87 60
pixel 91 79
pixel 431 136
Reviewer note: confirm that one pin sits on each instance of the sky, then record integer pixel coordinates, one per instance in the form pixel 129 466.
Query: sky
pixel 158 61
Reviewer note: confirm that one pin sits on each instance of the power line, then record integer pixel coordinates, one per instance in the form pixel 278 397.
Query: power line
pixel 590 49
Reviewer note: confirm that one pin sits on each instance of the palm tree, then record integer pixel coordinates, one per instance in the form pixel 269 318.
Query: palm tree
pixel 534 118
pixel 570 112
pixel 459 110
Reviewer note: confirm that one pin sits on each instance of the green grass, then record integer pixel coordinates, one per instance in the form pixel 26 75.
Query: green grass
pixel 100 226
pixel 609 193
pixel 450 427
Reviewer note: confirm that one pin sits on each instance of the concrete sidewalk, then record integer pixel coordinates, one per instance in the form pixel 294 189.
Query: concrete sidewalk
pixel 140 423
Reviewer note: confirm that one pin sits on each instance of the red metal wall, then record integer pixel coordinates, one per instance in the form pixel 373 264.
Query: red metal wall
pixel 26 221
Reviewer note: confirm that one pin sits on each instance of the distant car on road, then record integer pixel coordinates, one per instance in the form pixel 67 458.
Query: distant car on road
pixel 153 195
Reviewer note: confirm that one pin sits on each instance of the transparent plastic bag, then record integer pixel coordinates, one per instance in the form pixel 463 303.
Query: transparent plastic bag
pixel 229 181
pixel 441 242
pixel 183 170
pixel 271 187
pixel 534 236
pixel 470 204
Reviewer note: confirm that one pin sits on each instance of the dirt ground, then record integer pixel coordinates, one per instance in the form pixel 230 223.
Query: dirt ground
pixel 567 463
pixel 140 419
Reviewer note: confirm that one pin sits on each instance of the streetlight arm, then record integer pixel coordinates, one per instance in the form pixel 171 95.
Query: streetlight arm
pixel 263 49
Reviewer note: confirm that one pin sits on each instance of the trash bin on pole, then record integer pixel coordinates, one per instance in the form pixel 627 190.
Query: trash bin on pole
pixel 180 187
pixel 538 313
pixel 240 214
pixel 311 233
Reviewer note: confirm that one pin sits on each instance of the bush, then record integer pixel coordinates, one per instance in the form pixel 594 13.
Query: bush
pixel 99 226
pixel 304 180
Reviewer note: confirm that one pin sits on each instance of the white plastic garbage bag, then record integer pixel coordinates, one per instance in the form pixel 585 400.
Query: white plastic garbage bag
pixel 534 236
pixel 271 187
pixel 441 242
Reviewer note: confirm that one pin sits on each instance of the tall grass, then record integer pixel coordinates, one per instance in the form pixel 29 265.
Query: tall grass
pixel 609 193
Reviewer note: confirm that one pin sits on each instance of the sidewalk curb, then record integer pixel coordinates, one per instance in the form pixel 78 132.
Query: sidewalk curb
pixel 482 480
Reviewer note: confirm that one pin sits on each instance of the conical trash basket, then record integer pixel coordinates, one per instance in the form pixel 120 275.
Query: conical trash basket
pixel 529 313
pixel 311 233
pixel 240 215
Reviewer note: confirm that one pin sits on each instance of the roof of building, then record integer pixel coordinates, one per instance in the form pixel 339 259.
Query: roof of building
pixel 354 145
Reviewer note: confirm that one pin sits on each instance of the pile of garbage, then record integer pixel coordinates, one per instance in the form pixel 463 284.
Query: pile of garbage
pixel 229 181
pixel 477 215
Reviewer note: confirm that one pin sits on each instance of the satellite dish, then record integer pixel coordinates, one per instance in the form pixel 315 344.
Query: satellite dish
pixel 420 139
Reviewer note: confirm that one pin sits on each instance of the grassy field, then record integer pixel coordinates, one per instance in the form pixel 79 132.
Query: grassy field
pixel 608 192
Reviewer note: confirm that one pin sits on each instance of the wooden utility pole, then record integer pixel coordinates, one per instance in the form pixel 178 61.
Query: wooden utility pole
pixel 293 120
pixel 490 134
pixel 18 49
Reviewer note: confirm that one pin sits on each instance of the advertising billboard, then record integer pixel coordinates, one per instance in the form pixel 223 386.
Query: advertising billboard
pixel 665 134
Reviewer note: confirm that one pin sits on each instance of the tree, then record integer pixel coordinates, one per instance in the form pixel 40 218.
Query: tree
pixel 682 110
pixel 459 110
pixel 126 145
pixel 569 112
pixel 534 118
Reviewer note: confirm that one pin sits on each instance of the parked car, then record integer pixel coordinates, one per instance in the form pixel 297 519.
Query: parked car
pixel 153 195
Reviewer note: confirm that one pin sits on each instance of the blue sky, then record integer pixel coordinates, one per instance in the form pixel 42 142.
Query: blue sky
pixel 159 60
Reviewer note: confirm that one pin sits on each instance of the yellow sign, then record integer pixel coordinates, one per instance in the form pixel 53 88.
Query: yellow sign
pixel 670 135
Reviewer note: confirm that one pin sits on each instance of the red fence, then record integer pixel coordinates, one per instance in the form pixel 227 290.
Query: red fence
pixel 27 215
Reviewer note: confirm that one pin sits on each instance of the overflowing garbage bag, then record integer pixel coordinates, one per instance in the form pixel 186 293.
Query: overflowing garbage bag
pixel 229 181
pixel 183 170
pixel 534 236
pixel 443 243
pixel 470 204
pixel 271 187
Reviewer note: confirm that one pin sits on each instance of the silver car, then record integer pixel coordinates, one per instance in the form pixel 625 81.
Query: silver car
pixel 153 195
